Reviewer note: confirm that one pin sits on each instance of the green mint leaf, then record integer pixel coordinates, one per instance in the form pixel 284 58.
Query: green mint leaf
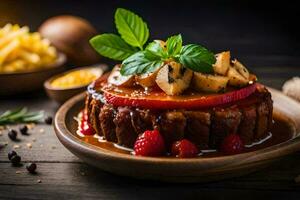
pixel 140 63
pixel 112 46
pixel 174 45
pixel 131 28
pixel 156 49
pixel 197 58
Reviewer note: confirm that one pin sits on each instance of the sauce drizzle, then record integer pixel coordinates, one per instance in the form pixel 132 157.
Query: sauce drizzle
pixel 281 131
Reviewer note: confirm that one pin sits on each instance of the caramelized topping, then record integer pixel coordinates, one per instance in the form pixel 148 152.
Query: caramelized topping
pixel 174 78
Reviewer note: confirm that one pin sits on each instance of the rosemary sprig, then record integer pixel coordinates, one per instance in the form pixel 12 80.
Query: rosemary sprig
pixel 20 115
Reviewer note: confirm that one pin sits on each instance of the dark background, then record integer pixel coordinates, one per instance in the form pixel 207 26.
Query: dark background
pixel 259 33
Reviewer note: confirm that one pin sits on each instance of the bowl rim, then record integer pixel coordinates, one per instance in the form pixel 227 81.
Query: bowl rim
pixel 75 144
pixel 47 83
pixel 60 61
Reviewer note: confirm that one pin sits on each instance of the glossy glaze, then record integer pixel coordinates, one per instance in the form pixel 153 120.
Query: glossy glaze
pixel 280 132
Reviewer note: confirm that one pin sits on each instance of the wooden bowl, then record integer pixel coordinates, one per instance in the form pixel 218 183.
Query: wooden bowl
pixel 61 95
pixel 22 82
pixel 172 169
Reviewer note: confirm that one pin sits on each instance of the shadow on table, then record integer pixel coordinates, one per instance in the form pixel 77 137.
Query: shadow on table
pixel 274 182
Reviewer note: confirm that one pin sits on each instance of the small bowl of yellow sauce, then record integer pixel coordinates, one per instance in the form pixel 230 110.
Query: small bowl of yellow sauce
pixel 63 86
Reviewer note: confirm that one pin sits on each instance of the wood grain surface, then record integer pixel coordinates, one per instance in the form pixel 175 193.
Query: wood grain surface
pixel 64 176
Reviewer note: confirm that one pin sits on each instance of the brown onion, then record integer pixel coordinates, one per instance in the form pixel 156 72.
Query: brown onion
pixel 70 35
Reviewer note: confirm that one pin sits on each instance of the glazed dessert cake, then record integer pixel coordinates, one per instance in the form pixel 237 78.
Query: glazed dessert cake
pixel 169 98
pixel 251 118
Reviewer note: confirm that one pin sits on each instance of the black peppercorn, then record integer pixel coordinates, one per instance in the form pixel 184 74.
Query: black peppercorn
pixel 31 167
pixel 24 130
pixel 11 154
pixel 15 160
pixel 12 134
pixel 48 120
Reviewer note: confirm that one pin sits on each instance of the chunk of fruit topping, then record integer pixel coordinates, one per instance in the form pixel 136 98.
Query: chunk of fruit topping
pixel 232 144
pixel 241 68
pixel 147 80
pixel 209 83
pixel 184 149
pixel 150 143
pixel 173 78
pixel 117 79
pixel 222 63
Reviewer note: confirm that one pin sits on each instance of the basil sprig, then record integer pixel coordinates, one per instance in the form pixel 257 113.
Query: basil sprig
pixel 112 46
pixel 197 58
pixel 129 48
pixel 140 63
pixel 131 28
pixel 174 45
pixel 192 56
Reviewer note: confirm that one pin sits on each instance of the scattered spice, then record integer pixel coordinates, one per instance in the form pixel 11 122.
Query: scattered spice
pixel 30 126
pixel 11 154
pixel 31 167
pixel 24 130
pixel 15 160
pixel 48 120
pixel 12 134
pixel 29 145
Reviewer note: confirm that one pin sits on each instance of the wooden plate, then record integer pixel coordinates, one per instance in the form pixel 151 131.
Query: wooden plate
pixel 176 170
pixel 22 82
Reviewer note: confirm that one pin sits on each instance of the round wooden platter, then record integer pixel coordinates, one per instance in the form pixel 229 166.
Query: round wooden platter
pixel 172 169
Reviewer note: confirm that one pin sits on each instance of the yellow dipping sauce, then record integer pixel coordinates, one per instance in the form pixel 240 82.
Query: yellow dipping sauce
pixel 76 78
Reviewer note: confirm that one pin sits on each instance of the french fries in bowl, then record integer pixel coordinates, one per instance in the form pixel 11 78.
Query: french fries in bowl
pixel 26 55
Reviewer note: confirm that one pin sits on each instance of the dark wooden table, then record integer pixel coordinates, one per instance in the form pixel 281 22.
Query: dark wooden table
pixel 63 176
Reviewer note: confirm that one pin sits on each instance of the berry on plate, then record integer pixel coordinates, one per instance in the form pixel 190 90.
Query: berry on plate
pixel 184 149
pixel 232 144
pixel 150 143
pixel 86 128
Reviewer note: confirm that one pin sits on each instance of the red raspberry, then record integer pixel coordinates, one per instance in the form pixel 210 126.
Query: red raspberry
pixel 86 127
pixel 150 143
pixel 184 149
pixel 232 144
